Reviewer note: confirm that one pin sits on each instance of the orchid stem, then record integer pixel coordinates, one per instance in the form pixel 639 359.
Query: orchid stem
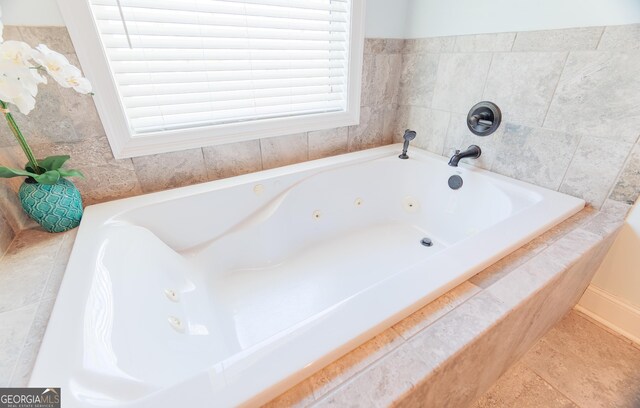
pixel 20 138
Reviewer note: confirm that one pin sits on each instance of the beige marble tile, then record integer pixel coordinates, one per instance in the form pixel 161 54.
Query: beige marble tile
pixel 520 387
pixel 15 327
pixel 354 362
pixel 418 79
pixel 424 317
pixel 429 45
pixel 484 42
pixel 48 122
pixel 570 39
pixel 604 223
pixel 81 109
pixel 624 37
pixel 394 45
pixel 459 137
pixel 368 133
pixel 380 79
pixel 590 81
pixel 300 395
pixel 616 208
pixel 12 209
pixel 389 133
pixel 373 46
pixel 31 345
pixel 472 366
pixel 11 33
pixel 558 231
pixel 91 151
pixel 535 155
pixel 108 182
pixel 460 81
pixel 232 159
pixel 329 142
pixel 381 384
pixel 526 280
pixel 170 170
pixel 26 267
pixel 283 150
pixel 431 127
pixel 56 38
pixel 594 169
pixel 6 234
pixel 627 188
pixel 522 84
pixel 587 364
pixel 569 249
pixel 452 332
pixel 506 265
pixel 59 265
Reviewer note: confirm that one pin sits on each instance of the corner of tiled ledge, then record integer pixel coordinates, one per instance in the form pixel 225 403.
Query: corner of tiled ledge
pixel 451 351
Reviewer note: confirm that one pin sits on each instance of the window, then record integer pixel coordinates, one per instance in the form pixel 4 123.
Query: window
pixel 178 74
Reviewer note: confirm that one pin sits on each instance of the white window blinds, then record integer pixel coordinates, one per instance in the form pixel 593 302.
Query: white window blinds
pixel 180 64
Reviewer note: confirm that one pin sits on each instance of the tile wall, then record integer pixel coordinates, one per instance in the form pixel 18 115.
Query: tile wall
pixel 570 101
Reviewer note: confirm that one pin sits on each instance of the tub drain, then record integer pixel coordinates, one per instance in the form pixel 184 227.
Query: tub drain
pixel 426 242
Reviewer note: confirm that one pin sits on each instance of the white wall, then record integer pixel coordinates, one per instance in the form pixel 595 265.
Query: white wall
pixel 436 18
pixel 31 12
pixel 613 297
pixel 385 18
pixel 424 18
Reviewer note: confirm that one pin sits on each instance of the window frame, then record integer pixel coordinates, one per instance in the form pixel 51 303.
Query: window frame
pixel 88 45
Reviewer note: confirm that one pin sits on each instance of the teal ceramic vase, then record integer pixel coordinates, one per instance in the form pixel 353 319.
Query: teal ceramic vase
pixel 56 207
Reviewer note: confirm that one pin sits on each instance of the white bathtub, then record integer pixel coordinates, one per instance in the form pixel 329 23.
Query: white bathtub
pixel 228 293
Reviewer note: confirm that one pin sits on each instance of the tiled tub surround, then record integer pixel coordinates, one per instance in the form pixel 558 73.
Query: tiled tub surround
pixel 473 332
pixel 65 122
pixel 451 351
pixel 569 100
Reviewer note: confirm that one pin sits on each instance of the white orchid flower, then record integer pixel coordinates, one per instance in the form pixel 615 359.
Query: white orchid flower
pixel 21 69
pixel 15 92
pixel 61 70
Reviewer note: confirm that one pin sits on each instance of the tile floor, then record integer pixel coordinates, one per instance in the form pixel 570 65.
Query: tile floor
pixel 578 363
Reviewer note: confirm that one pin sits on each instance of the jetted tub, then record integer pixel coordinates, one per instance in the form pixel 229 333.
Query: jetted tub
pixel 227 293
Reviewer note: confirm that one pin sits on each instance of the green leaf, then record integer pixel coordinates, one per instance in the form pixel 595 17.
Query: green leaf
pixel 7 172
pixel 50 177
pixel 53 162
pixel 70 173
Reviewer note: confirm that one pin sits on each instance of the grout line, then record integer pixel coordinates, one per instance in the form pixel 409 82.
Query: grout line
pixel 573 156
pixel 555 89
pixel 600 38
pixel 625 162
pixel 362 370
pixel 24 341
pixel 551 385
pixel 53 264
pixel 486 77
pixel 514 42
pixel 261 157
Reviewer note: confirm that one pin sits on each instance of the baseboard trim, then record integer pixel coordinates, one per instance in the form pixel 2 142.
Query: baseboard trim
pixel 612 312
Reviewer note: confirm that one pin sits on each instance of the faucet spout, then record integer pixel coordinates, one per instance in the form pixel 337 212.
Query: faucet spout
pixel 472 152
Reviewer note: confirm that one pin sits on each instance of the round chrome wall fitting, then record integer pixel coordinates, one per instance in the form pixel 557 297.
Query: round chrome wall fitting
pixel 484 118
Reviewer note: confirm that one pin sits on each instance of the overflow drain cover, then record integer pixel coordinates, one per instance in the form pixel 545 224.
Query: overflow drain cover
pixel 455 182
pixel 426 242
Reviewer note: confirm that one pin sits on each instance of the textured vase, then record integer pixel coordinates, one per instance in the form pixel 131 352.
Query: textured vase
pixel 56 207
